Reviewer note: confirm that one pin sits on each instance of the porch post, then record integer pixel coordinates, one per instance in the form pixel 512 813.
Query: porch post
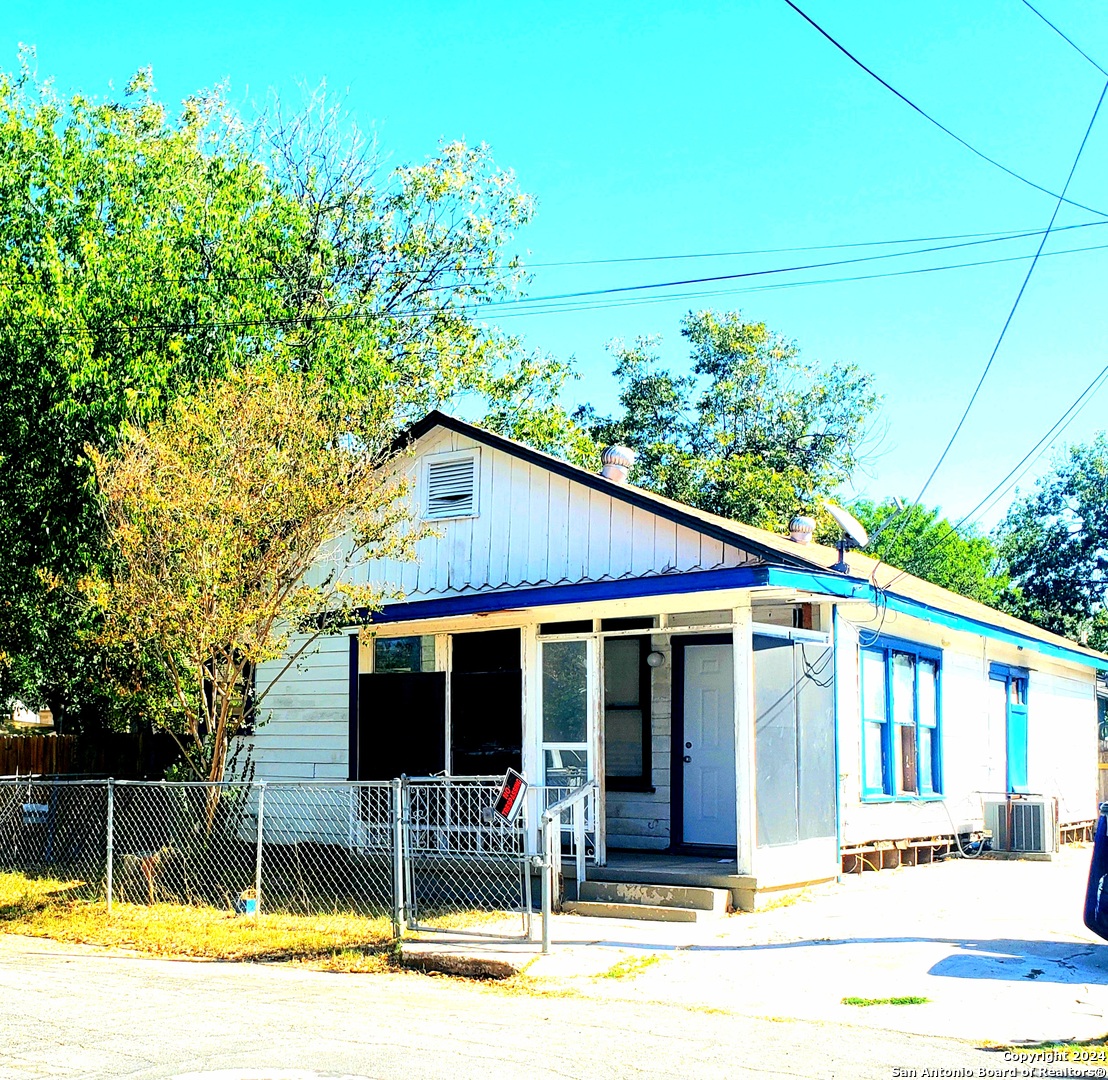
pixel 745 774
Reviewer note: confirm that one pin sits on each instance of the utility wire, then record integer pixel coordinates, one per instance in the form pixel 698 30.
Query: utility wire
pixel 1019 296
pixel 568 308
pixel 1064 36
pixel 712 279
pixel 502 307
pixel 931 119
pixel 1016 473
pixel 1003 331
pixel 766 251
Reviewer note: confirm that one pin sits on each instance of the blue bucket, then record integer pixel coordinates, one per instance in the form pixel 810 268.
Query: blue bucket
pixel 246 906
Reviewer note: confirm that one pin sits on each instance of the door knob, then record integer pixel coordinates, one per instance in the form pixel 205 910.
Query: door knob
pixel 688 746
pixel 688 757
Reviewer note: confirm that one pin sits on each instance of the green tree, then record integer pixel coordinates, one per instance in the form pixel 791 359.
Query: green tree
pixel 215 514
pixel 144 251
pixel 1054 540
pixel 923 542
pixel 753 433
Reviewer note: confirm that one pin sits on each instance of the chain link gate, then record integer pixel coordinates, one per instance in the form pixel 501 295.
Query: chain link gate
pixel 460 859
pixel 429 852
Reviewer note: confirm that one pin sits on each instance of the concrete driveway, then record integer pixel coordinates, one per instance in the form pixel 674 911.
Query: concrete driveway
pixel 997 946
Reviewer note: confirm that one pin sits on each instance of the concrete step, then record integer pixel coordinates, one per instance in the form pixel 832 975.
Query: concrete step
pixel 645 912
pixel 692 897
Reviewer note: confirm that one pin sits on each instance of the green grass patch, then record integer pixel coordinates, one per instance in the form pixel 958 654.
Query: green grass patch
pixel 630 967
pixel 864 1002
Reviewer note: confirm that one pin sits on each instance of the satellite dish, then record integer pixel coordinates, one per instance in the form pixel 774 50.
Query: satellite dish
pixel 849 524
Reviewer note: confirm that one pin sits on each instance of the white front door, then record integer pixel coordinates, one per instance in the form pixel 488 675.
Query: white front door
pixel 708 746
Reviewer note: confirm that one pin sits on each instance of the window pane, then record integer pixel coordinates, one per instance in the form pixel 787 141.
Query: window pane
pixel 564 692
pixel 926 762
pixel 404 654
pixel 623 742
pixel 904 688
pixel 566 768
pixel 906 763
pixel 873 684
pixel 928 701
pixel 622 672
pixel 875 753
pixel 1018 691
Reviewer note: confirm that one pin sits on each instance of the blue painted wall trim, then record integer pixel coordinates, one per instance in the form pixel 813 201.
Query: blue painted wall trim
pixel 739 577
pixel 852 589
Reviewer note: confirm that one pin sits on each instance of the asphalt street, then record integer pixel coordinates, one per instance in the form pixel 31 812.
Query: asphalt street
pixel 68 1011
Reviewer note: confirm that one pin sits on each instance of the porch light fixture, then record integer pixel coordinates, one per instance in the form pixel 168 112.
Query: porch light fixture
pixel 655 659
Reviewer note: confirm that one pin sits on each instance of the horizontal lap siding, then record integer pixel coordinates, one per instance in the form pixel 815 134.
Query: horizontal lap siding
pixel 640 820
pixel 304 734
pixel 1062 742
pixel 535 527
pixel 1062 748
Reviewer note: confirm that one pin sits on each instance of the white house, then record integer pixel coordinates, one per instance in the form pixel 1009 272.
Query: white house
pixel 733 695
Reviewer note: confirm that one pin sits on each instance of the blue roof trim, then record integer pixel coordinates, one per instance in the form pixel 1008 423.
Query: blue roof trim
pixel 739 577
pixel 853 589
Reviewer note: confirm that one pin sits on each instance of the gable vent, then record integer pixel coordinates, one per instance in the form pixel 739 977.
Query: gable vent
pixel 451 488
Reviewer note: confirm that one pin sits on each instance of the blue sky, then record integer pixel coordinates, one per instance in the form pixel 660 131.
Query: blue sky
pixel 651 129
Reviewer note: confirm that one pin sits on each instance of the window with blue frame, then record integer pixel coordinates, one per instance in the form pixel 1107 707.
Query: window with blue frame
pixel 901 738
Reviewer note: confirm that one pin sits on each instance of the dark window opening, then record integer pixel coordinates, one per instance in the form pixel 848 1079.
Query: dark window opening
pixel 578 626
pixel 646 623
pixel 627 714
pixel 401 724
pixel 486 703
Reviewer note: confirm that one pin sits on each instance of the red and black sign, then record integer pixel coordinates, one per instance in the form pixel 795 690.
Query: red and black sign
pixel 510 800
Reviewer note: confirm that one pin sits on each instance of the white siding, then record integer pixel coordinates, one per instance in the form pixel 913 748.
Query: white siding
pixel 535 527
pixel 1062 742
pixel 1062 727
pixel 304 732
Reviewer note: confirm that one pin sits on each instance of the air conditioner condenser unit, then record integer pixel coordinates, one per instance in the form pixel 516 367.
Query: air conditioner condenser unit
pixel 1023 823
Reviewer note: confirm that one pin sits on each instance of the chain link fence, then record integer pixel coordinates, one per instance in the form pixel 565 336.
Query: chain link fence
pixel 429 852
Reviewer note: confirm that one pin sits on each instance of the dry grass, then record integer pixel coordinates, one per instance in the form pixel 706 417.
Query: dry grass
pixel 44 908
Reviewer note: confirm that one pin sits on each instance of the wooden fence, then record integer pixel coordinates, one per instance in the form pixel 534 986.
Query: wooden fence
pixel 37 754
pixel 143 756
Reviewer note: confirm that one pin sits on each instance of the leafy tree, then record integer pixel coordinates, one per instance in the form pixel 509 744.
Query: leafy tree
pixel 753 433
pixel 923 542
pixel 1054 540
pixel 215 514
pixel 143 251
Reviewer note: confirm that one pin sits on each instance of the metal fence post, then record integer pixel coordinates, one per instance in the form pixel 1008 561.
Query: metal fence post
pixel 258 857
pixel 110 845
pixel 547 870
pixel 398 854
pixel 579 840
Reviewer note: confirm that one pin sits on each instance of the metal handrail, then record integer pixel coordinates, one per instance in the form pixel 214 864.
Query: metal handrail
pixel 552 852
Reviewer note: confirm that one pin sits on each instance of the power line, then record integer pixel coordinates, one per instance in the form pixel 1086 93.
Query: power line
pixel 500 306
pixel 1016 473
pixel 795 268
pixel 931 119
pixel 1019 296
pixel 1064 36
pixel 567 308
pixel 1004 328
pixel 976 239
pixel 767 251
